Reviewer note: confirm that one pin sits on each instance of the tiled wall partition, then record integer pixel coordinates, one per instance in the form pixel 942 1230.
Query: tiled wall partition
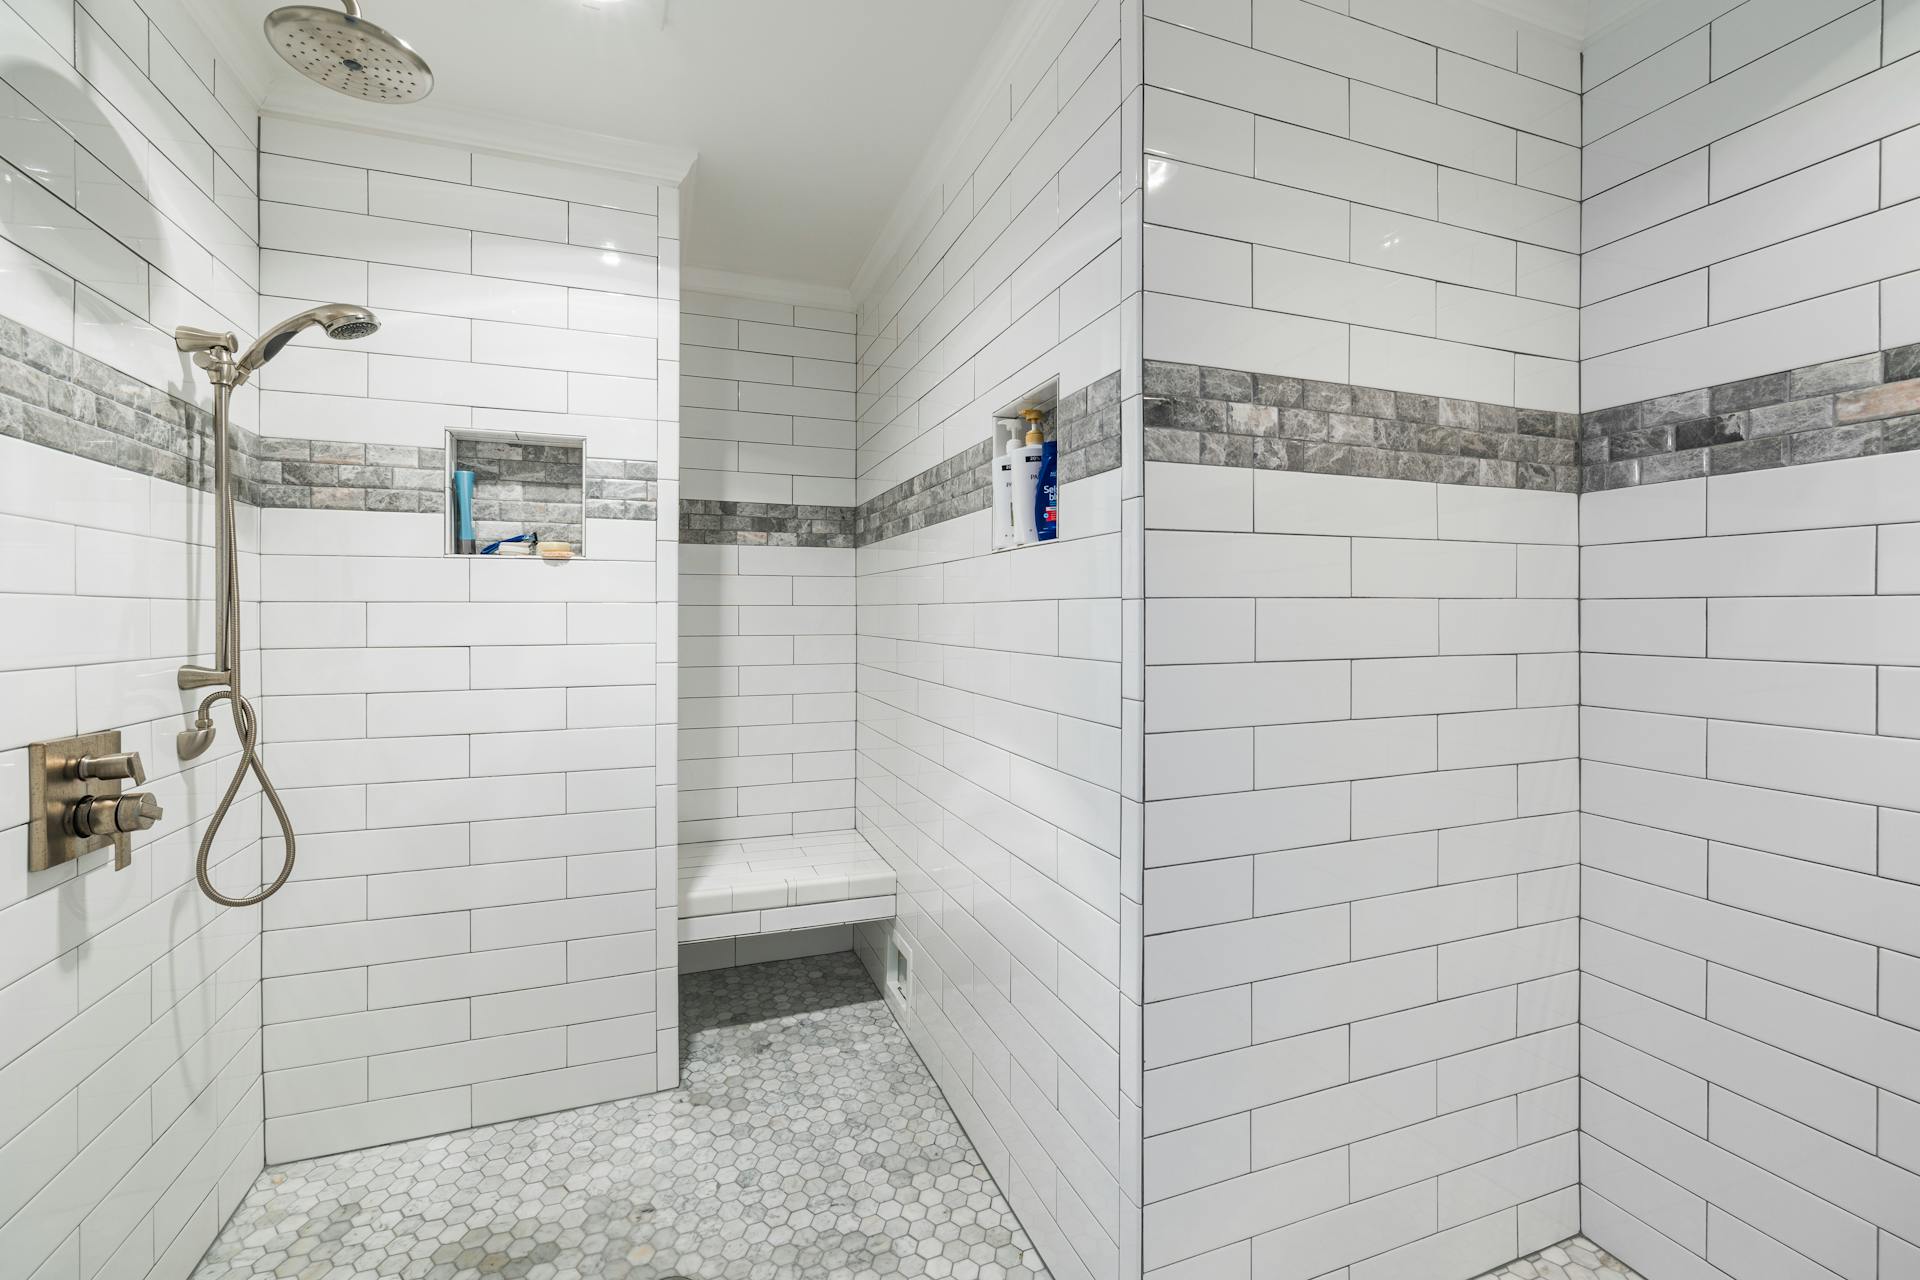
pixel 1360 760
pixel 767 623
pixel 1387 197
pixel 478 753
pixel 129 1005
pixel 1361 880
pixel 1748 1004
pixel 989 708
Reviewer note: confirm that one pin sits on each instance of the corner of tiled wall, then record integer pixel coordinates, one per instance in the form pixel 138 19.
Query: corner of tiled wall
pixel 990 711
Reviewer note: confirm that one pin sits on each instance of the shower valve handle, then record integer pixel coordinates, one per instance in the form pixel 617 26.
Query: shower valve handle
pixel 124 765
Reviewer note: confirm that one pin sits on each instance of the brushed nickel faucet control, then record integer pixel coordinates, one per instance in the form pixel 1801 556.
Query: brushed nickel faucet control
pixel 78 800
pixel 124 765
pixel 111 815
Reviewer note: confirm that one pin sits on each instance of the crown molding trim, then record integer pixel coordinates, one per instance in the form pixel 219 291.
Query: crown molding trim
pixel 1562 17
pixel 737 284
pixel 1580 20
pixel 479 131
pixel 1016 37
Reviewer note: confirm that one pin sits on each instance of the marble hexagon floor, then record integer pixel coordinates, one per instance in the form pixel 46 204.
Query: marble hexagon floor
pixel 807 1141
pixel 1575 1259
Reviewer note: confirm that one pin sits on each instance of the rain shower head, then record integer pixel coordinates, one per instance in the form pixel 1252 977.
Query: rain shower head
pixel 338 320
pixel 348 54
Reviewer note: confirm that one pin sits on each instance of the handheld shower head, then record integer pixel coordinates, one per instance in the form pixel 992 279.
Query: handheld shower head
pixel 338 320
pixel 351 330
pixel 348 54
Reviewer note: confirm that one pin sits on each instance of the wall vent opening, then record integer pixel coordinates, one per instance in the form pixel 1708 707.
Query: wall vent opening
pixel 900 971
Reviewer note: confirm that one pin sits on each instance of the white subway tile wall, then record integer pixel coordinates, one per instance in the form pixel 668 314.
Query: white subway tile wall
pixel 1747 831
pixel 766 401
pixel 128 161
pixel 129 1004
pixel 1750 175
pixel 766 713
pixel 1386 194
pixel 766 626
pixel 1361 850
pixel 990 721
pixel 479 754
pixel 1748 957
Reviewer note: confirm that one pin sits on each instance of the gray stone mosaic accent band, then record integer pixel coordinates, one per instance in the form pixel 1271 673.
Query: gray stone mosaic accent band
pixel 622 490
pixel 708 522
pixel 959 486
pixel 333 475
pixel 1085 423
pixel 1855 408
pixel 1087 426
pixel 1232 418
pixel 52 395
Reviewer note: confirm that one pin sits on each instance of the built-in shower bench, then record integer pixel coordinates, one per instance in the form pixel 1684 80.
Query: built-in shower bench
pixel 775 884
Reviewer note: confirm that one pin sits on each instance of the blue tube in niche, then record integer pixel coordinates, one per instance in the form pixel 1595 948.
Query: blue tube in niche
pixel 464 542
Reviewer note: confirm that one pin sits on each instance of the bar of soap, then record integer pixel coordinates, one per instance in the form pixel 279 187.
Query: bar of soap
pixel 556 551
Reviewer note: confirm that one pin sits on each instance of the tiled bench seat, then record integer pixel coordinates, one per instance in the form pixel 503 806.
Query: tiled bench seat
pixel 736 888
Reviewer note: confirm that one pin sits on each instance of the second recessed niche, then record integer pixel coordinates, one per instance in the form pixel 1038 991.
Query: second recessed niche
pixel 1014 467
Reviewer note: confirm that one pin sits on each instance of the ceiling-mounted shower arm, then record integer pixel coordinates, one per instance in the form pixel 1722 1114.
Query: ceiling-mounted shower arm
pixel 352 7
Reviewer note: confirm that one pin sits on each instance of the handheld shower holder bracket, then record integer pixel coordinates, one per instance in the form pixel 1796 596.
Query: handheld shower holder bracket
pixel 212 352
pixel 189 338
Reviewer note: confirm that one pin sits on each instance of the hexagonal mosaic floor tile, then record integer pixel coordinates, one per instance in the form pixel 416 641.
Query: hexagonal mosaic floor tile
pixel 806 1142
pixel 1575 1259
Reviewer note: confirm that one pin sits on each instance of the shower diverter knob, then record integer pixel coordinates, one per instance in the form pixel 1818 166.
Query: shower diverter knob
pixel 113 815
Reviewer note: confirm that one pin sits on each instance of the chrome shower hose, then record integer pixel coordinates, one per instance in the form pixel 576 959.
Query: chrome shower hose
pixel 245 722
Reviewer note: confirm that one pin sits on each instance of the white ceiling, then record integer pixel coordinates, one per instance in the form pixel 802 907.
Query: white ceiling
pixel 808 116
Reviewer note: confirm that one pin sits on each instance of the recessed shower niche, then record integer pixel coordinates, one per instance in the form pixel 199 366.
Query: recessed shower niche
pixel 1023 469
pixel 526 490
